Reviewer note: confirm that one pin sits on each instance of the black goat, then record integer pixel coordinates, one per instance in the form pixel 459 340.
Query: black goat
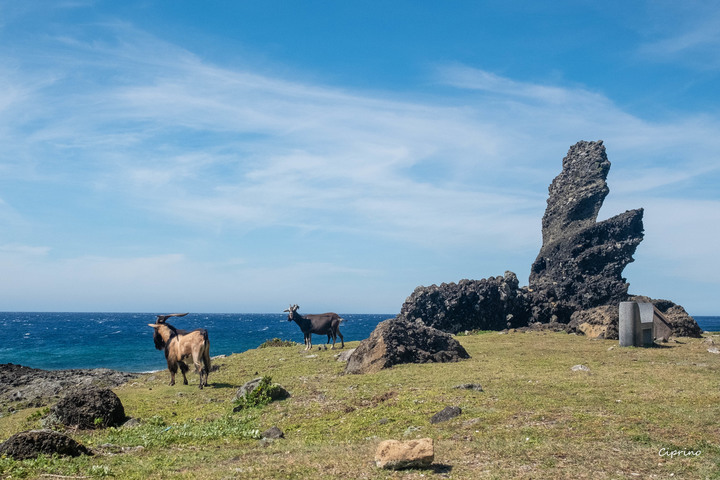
pixel 322 324
pixel 180 344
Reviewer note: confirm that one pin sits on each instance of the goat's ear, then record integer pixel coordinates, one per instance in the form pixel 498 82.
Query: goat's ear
pixel 154 325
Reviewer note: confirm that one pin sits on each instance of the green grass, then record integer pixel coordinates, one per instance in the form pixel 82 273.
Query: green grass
pixel 535 418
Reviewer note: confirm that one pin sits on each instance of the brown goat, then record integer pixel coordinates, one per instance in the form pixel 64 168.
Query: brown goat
pixel 181 344
pixel 321 324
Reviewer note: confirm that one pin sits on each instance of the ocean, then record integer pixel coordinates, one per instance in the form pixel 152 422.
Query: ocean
pixel 123 341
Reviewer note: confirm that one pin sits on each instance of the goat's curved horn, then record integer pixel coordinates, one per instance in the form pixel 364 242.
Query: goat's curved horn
pixel 162 318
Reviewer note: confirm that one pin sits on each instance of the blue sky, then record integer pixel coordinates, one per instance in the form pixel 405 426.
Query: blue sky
pixel 240 156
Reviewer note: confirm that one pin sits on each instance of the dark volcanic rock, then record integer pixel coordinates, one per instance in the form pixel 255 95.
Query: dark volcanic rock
pixel 32 443
pixel 447 413
pixel 494 303
pixel 39 387
pixel 90 408
pixel 581 261
pixel 398 340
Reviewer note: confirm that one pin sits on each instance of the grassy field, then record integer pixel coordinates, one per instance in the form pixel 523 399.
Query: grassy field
pixel 535 418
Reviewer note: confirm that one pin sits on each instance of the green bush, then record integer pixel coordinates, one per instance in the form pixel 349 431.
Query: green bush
pixel 276 342
pixel 265 393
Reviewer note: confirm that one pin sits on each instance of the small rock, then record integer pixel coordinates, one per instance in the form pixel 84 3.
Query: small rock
pixel 446 414
pixel 470 386
pixel 310 356
pixel 131 423
pixel 713 350
pixel 345 355
pixel 395 455
pixel 277 393
pixel 273 433
pixel 410 430
pixel 580 368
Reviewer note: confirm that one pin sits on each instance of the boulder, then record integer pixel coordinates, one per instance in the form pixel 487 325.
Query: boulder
pixel 581 261
pixel 494 303
pixel 30 444
pixel 397 341
pixel 395 455
pixel 89 408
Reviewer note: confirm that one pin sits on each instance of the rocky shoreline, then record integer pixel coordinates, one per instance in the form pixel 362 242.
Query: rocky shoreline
pixel 23 387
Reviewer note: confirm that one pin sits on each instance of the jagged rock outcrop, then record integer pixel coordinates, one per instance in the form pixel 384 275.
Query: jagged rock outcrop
pixel 581 261
pixel 493 303
pixel 398 340
pixel 30 444
pixel 576 280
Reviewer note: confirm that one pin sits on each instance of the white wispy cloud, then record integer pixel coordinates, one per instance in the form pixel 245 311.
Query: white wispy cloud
pixel 167 135
pixel 687 32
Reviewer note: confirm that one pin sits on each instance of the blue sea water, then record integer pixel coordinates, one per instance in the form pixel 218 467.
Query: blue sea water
pixel 708 324
pixel 123 341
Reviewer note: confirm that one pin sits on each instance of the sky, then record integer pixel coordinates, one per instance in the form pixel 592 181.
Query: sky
pixel 239 156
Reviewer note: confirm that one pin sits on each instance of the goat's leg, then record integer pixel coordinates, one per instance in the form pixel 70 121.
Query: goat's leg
pixel 199 368
pixel 206 362
pixel 183 369
pixel 173 370
pixel 342 340
pixel 308 341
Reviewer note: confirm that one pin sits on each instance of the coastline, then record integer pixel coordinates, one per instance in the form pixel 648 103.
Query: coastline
pixel 24 387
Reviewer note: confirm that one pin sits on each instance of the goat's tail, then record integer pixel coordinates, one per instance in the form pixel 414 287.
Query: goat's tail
pixel 206 354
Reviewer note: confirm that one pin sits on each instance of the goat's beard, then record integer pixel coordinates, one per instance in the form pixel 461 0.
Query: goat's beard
pixel 159 343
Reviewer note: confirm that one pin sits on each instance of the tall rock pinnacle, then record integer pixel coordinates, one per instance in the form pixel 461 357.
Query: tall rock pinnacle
pixel 581 261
